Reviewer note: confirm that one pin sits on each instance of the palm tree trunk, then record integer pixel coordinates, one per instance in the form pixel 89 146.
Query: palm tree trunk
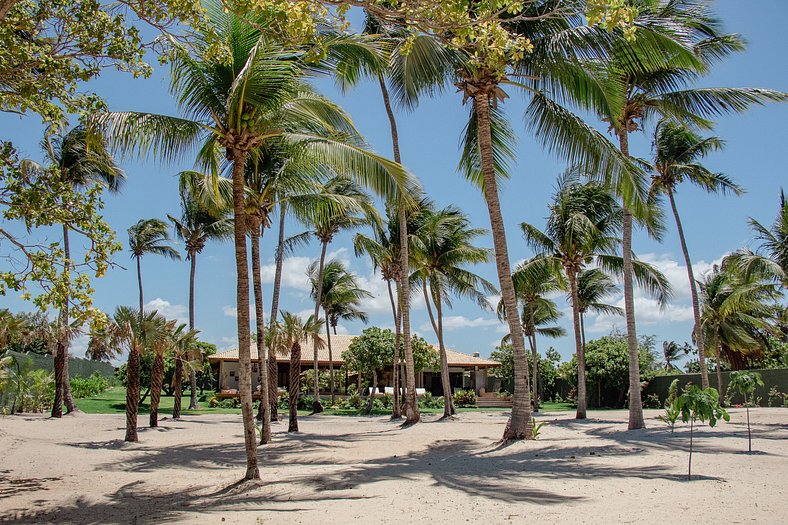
pixel 139 284
pixel 273 367
pixel 410 404
pixel 177 383
pixel 582 400
pixel 62 380
pixel 192 373
pixel 535 354
pixel 372 393
pixel 262 362
pixel 132 392
pixel 156 382
pixel 317 406
pixel 295 386
pixel 720 385
pixel 396 412
pixel 330 362
pixel 243 325
pixel 635 402
pixel 520 425
pixel 448 400
pixel 704 371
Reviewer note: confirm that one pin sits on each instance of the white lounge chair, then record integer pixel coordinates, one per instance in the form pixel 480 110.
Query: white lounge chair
pixel 389 390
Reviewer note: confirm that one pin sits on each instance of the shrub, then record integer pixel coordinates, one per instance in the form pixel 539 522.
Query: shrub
pixel 464 398
pixel 651 401
pixel 213 403
pixel 777 398
pixel 92 386
pixel 429 401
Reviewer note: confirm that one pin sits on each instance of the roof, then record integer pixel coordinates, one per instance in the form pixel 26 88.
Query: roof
pixel 340 343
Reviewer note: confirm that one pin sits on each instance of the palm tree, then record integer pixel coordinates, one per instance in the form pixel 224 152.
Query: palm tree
pixel 83 163
pixel 340 300
pixel 149 236
pixel 236 104
pixel 736 308
pixel 537 311
pixel 641 79
pixel 677 154
pixel 594 286
pixel 441 247
pixel 126 330
pixel 671 351
pixel 198 224
pixel 771 257
pixel 183 343
pixel 327 223
pixel 581 228
pixel 295 331
pixel 384 252
pixel 156 335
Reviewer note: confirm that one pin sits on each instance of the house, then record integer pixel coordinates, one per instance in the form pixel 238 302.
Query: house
pixel 465 371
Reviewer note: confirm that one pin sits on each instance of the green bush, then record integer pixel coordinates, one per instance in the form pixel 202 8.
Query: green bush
pixel 428 401
pixel 92 386
pixel 464 398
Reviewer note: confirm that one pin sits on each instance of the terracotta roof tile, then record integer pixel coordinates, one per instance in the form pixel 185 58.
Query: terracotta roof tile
pixel 340 343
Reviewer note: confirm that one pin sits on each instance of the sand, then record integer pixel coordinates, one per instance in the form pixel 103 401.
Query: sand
pixel 355 469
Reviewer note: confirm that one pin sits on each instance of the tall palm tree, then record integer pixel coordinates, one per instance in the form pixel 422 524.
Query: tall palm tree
pixel 675 43
pixel 671 351
pixel 532 287
pixel 197 225
pixel 678 151
pixel 340 301
pixel 149 236
pixel 83 163
pixel 736 308
pixel 295 331
pixel 237 103
pixel 442 247
pixel 326 224
pixel 771 256
pixel 581 228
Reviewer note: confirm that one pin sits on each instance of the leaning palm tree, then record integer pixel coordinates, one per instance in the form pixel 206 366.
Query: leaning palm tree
pixel 295 331
pixel 771 256
pixel 441 249
pixel 83 163
pixel 678 151
pixel 581 228
pixel 149 236
pixel 326 224
pixel 198 224
pixel 234 104
pixel 340 301
pixel 532 287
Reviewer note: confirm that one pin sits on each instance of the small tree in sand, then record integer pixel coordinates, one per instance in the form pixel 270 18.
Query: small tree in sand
pixel 702 405
pixel 745 382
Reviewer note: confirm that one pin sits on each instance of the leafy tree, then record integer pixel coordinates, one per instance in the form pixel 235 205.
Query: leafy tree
pixel 149 236
pixel 702 405
pixel 370 352
pixel 441 249
pixel 745 383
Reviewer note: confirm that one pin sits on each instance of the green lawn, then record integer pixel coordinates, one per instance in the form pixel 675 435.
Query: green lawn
pixel 113 401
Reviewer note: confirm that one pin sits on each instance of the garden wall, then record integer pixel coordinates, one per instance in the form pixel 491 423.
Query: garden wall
pixel 77 367
pixel 774 377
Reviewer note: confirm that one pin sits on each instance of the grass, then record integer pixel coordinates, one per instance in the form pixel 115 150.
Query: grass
pixel 113 401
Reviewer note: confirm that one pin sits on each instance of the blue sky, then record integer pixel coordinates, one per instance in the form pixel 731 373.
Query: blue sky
pixel 714 225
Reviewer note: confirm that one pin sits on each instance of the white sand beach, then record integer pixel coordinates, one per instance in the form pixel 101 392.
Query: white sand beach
pixel 354 470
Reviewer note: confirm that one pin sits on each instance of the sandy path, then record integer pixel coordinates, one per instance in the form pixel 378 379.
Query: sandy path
pixel 348 470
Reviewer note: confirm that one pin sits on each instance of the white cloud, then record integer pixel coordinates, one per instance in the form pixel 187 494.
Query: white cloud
pixel 676 272
pixel 230 311
pixel 293 273
pixel 226 343
pixel 457 322
pixel 169 310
